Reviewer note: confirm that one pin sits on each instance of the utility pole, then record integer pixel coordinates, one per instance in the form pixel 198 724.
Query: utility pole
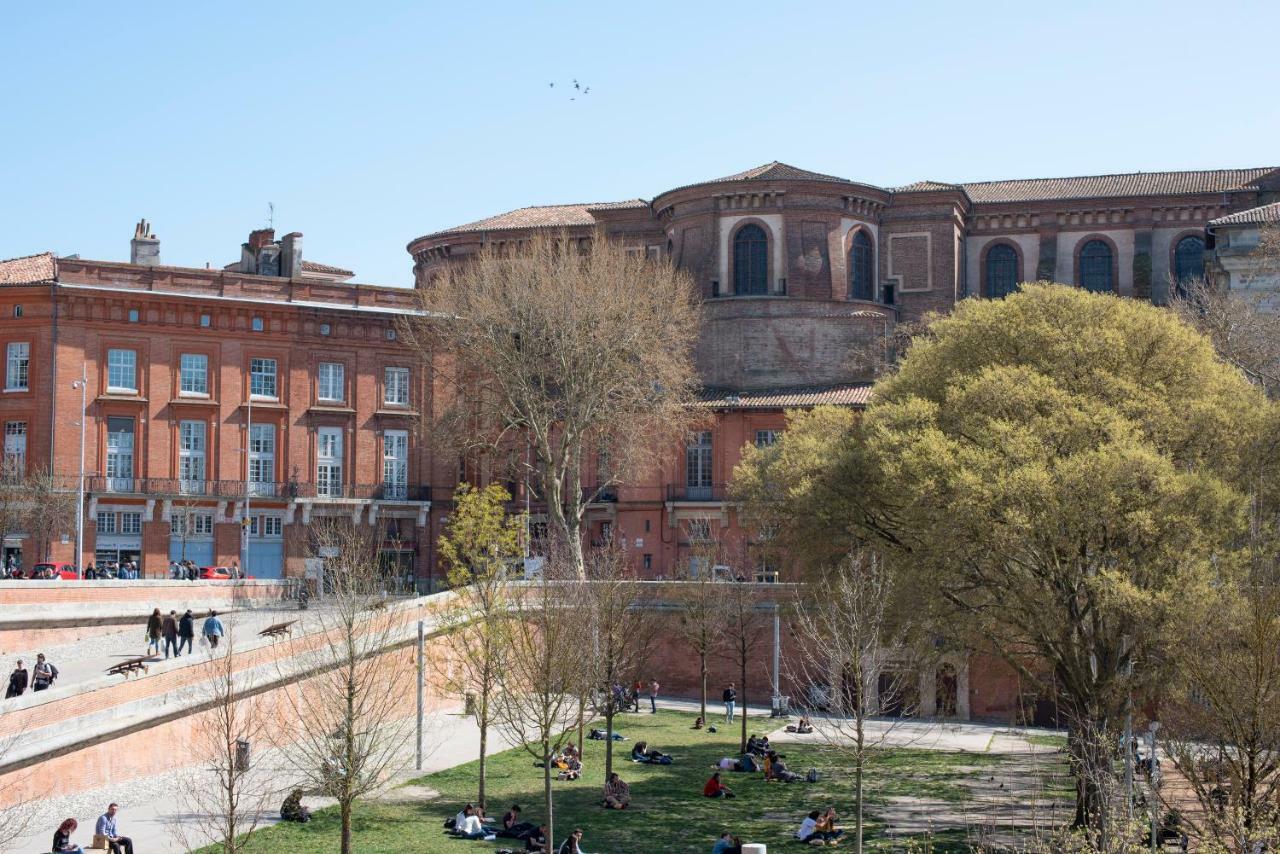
pixel 778 711
pixel 83 385
pixel 248 487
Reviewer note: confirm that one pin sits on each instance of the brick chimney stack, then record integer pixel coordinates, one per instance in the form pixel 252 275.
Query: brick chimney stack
pixel 144 249
pixel 291 255
pixel 261 237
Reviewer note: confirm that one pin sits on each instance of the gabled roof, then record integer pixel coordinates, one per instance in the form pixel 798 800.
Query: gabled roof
pixel 1123 184
pixel 28 270
pixel 1258 216
pixel 850 394
pixel 926 186
pixel 777 171
pixel 541 216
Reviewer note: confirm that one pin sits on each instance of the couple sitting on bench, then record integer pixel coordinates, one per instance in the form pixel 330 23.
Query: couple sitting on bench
pixel 642 753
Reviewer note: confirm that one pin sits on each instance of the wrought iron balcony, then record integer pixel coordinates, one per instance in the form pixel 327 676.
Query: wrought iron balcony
pixel 683 492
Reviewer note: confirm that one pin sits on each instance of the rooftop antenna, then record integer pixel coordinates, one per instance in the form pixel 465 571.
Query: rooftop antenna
pixel 271 214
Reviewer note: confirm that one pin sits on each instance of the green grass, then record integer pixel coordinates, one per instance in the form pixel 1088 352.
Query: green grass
pixel 1057 742
pixel 666 800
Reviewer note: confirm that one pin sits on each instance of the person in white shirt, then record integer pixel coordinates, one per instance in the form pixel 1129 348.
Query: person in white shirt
pixel 808 827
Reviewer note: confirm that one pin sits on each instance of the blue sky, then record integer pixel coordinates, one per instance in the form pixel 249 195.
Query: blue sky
pixel 370 123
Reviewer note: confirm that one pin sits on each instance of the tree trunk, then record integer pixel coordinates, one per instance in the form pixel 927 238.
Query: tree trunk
pixel 743 747
pixel 1090 761
pixel 484 742
pixel 582 720
pixel 702 658
pixel 346 826
pixel 859 763
pixel 546 795
pixel 608 741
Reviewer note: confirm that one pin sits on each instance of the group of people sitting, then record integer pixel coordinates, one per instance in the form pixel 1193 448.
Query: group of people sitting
pixel 471 823
pixel 568 763
pixel 819 828
pixel 770 762
pixel 804 727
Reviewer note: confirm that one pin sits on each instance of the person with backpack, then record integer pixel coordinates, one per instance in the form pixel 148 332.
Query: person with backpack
pixel 43 674
pixel 186 632
pixel 17 681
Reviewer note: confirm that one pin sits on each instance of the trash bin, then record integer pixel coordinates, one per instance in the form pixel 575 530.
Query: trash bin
pixel 754 848
pixel 242 755
pixel 781 706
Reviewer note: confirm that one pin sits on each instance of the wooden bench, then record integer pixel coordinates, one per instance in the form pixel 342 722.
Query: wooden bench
pixel 275 631
pixel 128 667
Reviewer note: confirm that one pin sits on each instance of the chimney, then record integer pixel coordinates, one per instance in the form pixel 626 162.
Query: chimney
pixel 261 237
pixel 144 249
pixel 291 255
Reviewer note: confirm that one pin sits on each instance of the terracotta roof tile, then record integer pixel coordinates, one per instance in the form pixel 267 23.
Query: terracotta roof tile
pixel 542 216
pixel 778 171
pixel 1127 184
pixel 314 267
pixel 855 394
pixel 28 270
pixel 1259 215
pixel 926 186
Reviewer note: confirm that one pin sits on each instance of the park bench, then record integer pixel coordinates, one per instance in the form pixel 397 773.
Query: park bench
pixel 128 667
pixel 276 630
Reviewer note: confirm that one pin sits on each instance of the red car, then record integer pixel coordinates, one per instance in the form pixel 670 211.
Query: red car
pixel 221 573
pixel 54 572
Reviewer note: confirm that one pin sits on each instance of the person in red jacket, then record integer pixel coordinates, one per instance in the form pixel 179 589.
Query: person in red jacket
pixel 716 789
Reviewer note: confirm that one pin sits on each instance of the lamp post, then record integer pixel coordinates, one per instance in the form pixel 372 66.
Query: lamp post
pixel 248 488
pixel 83 385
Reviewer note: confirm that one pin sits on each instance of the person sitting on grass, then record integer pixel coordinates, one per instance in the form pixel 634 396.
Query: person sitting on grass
pixel 827 825
pixel 811 829
pixel 293 810
pixel 750 763
pixel 803 727
pixel 572 843
pixel 699 723
pixel 776 769
pixel 472 826
pixel 753 746
pixel 617 794
pixel 537 841
pixel 723 843
pixel 715 789
pixel 642 753
pixel 728 763
pixel 513 827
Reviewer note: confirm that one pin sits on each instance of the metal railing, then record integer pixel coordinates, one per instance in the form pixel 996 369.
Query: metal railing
pixel 234 489
pixel 683 492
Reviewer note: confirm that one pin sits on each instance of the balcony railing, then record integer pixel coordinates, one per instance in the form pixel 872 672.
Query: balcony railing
pixel 236 489
pixel 714 492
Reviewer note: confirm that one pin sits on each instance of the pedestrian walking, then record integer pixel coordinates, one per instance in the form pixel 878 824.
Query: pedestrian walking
pixel 169 629
pixel 730 700
pixel 653 696
pixel 186 632
pixel 153 632
pixel 43 674
pixel 17 681
pixel 212 629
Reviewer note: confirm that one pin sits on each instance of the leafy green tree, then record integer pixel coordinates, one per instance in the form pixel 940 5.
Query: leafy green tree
pixel 1061 468
pixel 480 545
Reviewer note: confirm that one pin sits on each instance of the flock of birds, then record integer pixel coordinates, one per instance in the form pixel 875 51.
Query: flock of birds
pixel 578 88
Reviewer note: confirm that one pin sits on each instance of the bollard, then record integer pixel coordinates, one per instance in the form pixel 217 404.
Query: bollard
pixel 754 848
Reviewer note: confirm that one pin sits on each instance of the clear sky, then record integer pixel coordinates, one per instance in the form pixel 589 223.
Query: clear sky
pixel 370 123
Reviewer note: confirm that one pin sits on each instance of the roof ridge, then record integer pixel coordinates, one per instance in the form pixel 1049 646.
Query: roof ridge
pixel 1119 175
pixel 48 252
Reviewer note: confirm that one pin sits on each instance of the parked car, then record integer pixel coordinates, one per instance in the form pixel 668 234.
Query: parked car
pixel 55 572
pixel 220 573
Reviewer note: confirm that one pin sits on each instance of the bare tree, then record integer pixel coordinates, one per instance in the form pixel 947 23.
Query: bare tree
pixel 621 623
pixel 50 510
pixel 701 613
pixel 224 799
pixel 846 643
pixel 479 547
pixel 351 726
pixel 545 668
pixel 560 350
pixel 17 816
pixel 183 514
pixel 1243 326
pixel 745 620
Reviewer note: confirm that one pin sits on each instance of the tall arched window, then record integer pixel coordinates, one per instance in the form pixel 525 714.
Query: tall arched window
pixel 750 260
pixel 1188 262
pixel 861 268
pixel 1002 271
pixel 1095 267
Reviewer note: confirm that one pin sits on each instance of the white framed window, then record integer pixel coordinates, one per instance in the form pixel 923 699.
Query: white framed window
pixel 329 461
pixel 191 456
pixel 330 380
pixel 272 526
pixel 15 448
pixel 106 522
pixel 395 386
pixel 191 525
pixel 18 366
pixel 395 463
pixel 122 371
pixel 194 374
pixel 120 454
pixel 262 458
pixel 262 378
pixel 131 523
pixel 766 438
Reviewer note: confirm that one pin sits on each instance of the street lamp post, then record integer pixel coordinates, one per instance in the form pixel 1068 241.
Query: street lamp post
pixel 83 385
pixel 248 488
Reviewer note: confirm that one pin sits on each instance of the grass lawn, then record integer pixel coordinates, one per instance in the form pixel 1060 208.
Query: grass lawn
pixel 668 812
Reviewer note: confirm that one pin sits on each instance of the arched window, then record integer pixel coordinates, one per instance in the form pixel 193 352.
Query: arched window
pixel 1188 262
pixel 1095 267
pixel 750 261
pixel 1002 271
pixel 861 268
